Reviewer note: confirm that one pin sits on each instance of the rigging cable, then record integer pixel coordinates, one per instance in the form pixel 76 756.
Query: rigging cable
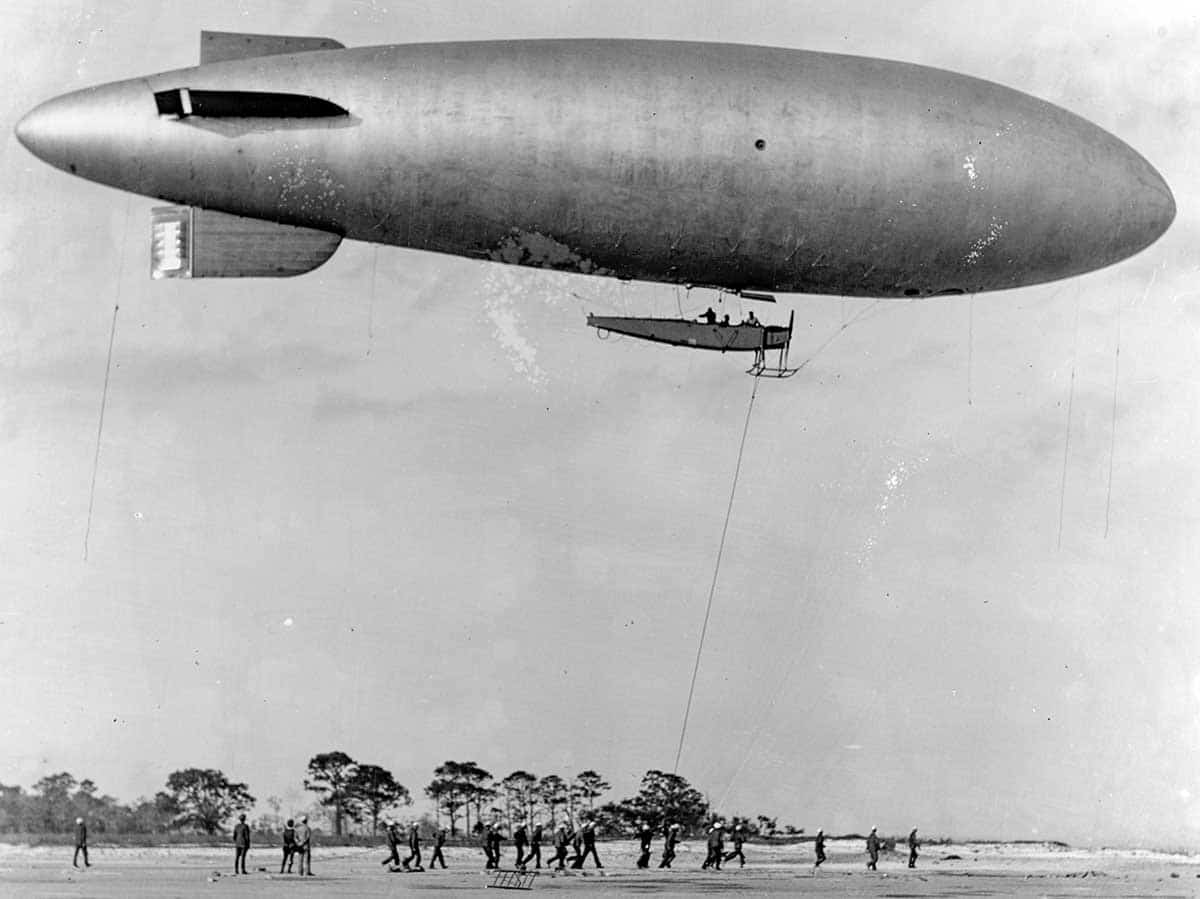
pixel 112 336
pixel 1062 495
pixel 712 590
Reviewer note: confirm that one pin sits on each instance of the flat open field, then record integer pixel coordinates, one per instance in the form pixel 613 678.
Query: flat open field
pixel 979 870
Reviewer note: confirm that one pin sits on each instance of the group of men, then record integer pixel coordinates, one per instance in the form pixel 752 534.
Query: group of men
pixel 528 837
pixel 873 846
pixel 412 862
pixel 297 842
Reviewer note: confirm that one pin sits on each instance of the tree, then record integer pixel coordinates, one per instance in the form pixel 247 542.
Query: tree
pixel 476 786
pixel 588 784
pixel 520 792
pixel 329 776
pixel 552 790
pixel 767 826
pixel 447 797
pixel 206 798
pixel 53 810
pixel 154 815
pixel 372 789
pixel 666 797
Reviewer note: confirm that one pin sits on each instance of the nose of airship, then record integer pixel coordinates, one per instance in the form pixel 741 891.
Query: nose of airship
pixel 89 132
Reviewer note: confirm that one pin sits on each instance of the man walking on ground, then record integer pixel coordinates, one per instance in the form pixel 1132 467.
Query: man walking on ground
pixel 520 840
pixel 716 846
pixel 739 837
pixel 670 838
pixel 289 846
pixel 873 849
pixel 820 849
pixel 589 843
pixel 535 844
pixel 414 847
pixel 439 840
pixel 497 836
pixel 645 839
pixel 912 848
pixel 80 844
pixel 561 840
pixel 486 843
pixel 304 847
pixel 393 844
pixel 241 844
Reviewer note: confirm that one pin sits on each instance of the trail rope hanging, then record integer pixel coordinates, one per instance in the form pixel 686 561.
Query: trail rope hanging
pixel 712 590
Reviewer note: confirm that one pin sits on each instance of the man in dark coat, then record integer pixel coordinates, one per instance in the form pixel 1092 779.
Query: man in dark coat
pixel 912 848
pixel 520 841
pixel 393 844
pixel 486 843
pixel 497 837
pixel 645 839
pixel 739 837
pixel 241 844
pixel 414 848
pixel 535 844
pixel 561 841
pixel 80 844
pixel 289 846
pixel 670 838
pixel 589 843
pixel 820 849
pixel 873 849
pixel 439 840
pixel 716 846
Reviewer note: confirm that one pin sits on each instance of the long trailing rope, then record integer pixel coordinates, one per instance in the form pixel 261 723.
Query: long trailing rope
pixel 712 590
pixel 112 336
pixel 1062 490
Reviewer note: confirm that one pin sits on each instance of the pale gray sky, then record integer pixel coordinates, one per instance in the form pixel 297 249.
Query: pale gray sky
pixel 494 534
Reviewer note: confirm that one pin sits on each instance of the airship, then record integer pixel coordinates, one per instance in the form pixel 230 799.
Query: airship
pixel 743 168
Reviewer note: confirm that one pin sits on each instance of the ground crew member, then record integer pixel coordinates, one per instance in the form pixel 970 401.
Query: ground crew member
pixel 487 846
pixel 873 849
pixel 561 840
pixel 80 844
pixel 577 845
pixel 739 837
pixel 497 837
pixel 912 848
pixel 589 844
pixel 820 848
pixel 645 837
pixel 289 846
pixel 439 840
pixel 716 846
pixel 520 840
pixel 414 847
pixel 241 844
pixel 535 844
pixel 670 838
pixel 393 842
pixel 304 847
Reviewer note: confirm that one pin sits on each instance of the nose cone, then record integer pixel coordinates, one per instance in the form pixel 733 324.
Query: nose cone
pixel 89 132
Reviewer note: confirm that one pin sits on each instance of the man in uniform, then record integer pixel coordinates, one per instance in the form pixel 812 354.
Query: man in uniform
pixel 589 843
pixel 414 847
pixel 304 847
pixel 873 849
pixel 739 837
pixel 561 841
pixel 670 838
pixel 820 849
pixel 497 839
pixel 577 845
pixel 393 843
pixel 716 846
pixel 645 838
pixel 912 848
pixel 289 846
pixel 80 844
pixel 486 843
pixel 535 844
pixel 520 841
pixel 241 844
pixel 439 840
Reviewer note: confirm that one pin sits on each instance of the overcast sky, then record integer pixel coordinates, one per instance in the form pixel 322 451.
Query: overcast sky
pixel 408 506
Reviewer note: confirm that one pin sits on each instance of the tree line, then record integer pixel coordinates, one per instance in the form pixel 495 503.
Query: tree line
pixel 464 795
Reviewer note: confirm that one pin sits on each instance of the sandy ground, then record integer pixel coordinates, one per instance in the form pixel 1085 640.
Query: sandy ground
pixel 979 870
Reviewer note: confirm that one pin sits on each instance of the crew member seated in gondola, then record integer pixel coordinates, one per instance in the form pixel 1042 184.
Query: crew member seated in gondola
pixel 751 319
pixel 709 316
pixel 725 320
